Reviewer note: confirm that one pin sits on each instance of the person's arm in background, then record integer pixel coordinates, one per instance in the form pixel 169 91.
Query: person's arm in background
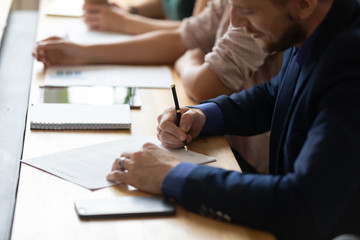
pixel 110 17
pixel 198 79
pixel 160 47
pixel 148 8
pixel 199 6
pixel 216 65
pixel 191 67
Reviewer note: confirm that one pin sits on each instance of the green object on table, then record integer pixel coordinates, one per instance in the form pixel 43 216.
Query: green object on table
pixel 178 9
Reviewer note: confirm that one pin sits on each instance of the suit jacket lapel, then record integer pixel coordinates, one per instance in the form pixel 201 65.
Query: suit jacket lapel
pixel 281 111
pixel 336 20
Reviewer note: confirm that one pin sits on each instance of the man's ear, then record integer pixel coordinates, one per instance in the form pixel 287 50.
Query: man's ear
pixel 306 8
pixel 302 9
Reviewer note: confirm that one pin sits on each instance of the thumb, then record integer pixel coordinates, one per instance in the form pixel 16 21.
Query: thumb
pixel 192 122
pixel 185 122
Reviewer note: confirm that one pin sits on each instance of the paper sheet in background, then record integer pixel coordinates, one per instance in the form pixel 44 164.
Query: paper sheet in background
pixel 103 75
pixel 78 32
pixel 109 75
pixel 88 166
pixel 61 8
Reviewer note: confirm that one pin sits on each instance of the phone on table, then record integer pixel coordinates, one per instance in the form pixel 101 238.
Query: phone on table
pixel 124 207
pixel 94 95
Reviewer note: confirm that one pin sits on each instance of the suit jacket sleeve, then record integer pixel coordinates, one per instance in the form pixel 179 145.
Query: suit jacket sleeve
pixel 322 193
pixel 249 112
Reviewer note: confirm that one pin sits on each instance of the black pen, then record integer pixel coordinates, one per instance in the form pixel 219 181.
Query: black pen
pixel 177 108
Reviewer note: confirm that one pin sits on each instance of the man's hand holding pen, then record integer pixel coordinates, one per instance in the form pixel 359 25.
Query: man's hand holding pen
pixel 191 123
pixel 147 168
pixel 178 112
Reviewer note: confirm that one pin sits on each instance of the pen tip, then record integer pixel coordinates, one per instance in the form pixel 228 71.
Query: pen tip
pixel 186 149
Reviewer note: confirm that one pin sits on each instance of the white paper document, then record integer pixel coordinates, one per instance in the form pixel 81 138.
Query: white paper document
pixel 89 166
pixel 61 8
pixel 109 75
pixel 79 32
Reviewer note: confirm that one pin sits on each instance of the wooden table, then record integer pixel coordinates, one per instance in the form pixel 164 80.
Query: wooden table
pixel 45 203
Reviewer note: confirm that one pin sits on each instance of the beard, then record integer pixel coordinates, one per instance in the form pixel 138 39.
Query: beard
pixel 292 34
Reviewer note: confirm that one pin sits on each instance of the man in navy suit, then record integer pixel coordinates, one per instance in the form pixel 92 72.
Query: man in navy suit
pixel 313 111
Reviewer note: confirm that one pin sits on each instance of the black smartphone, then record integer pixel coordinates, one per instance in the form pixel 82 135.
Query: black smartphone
pixel 124 207
pixel 94 95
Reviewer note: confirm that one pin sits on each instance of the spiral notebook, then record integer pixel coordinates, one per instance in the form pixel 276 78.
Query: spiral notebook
pixel 57 116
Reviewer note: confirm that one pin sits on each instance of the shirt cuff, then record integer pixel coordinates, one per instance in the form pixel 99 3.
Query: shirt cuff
pixel 175 180
pixel 214 118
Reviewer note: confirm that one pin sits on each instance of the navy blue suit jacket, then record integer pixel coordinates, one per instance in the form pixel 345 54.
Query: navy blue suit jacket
pixel 313 189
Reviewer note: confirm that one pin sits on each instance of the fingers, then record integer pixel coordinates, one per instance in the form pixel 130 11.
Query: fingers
pixel 38 54
pixel 169 140
pixel 160 155
pixel 93 24
pixel 49 44
pixel 92 15
pixel 155 151
pixel 59 52
pixel 119 164
pixel 118 171
pixel 185 122
pixel 94 20
pixel 40 51
pixel 151 148
pixel 124 172
pixel 172 136
pixel 168 122
pixel 124 155
pixel 118 176
pixel 40 48
pixel 144 169
pixel 91 7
